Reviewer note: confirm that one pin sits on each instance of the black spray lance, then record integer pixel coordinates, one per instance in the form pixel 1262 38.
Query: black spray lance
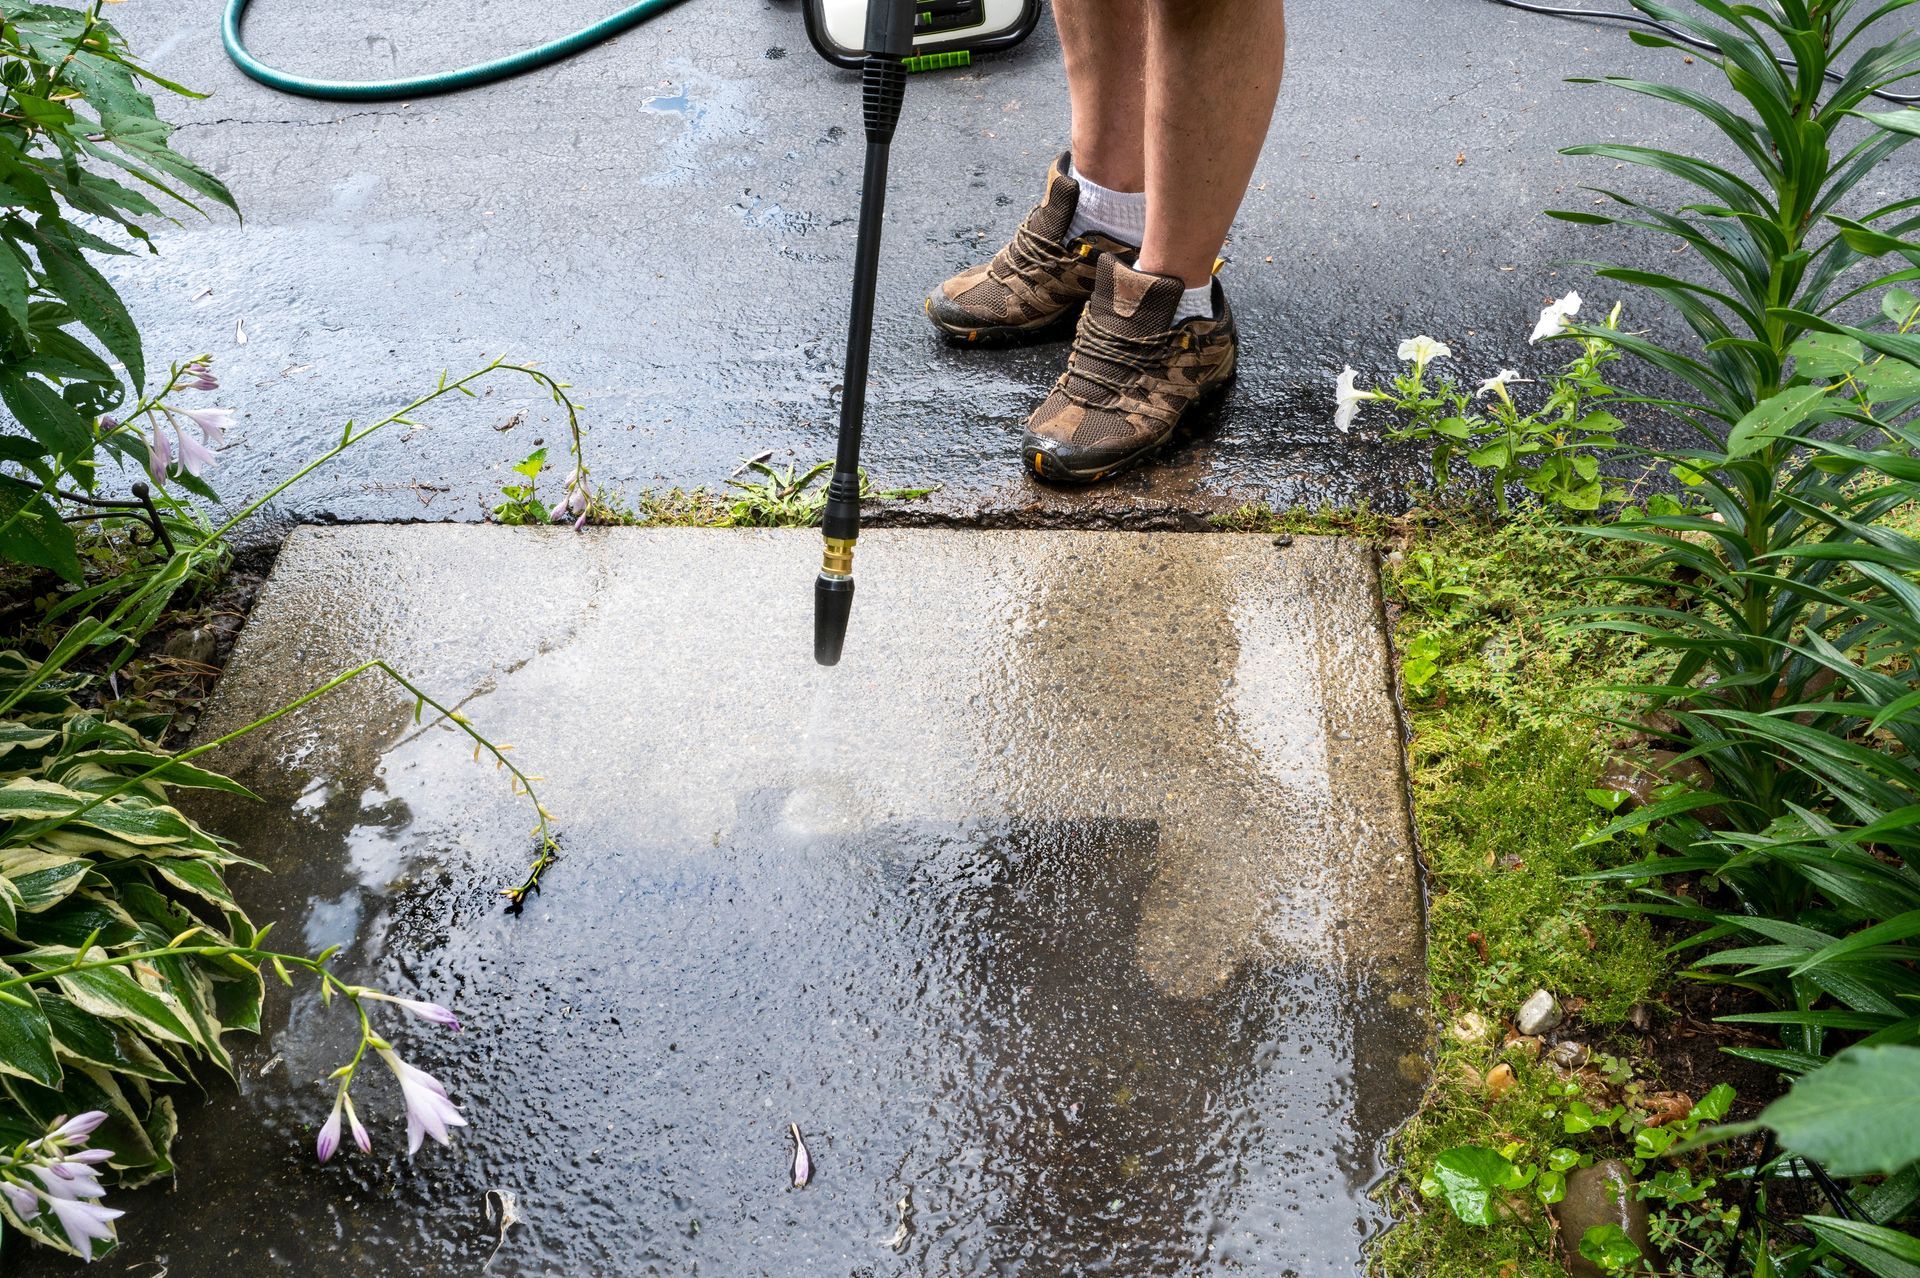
pixel 883 84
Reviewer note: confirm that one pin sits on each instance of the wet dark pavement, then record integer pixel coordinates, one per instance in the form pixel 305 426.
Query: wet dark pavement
pixel 1088 932
pixel 666 222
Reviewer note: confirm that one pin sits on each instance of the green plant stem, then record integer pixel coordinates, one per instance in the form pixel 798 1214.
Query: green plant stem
pixel 548 847
pixel 64 468
pixel 247 953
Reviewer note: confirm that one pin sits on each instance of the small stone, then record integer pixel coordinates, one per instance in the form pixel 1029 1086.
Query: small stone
pixel 1527 1045
pixel 200 645
pixel 1500 1080
pixel 1471 1028
pixel 1599 1195
pixel 1569 1056
pixel 1538 1014
pixel 1640 1016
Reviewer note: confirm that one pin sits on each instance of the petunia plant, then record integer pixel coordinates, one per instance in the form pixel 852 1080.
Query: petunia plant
pixel 1552 448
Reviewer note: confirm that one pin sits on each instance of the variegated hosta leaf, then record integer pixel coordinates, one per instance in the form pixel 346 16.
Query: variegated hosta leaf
pixel 132 873
pixel 40 879
pixel 26 1038
pixel 89 1040
pixel 18 736
pixel 134 993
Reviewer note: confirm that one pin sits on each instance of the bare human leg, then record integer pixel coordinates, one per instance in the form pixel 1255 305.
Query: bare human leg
pixel 1103 43
pixel 1212 75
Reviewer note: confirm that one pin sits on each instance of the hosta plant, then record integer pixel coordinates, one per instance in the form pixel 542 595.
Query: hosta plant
pixel 125 962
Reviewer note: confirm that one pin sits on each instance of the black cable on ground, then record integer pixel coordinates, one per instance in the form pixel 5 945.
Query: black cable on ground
pixel 1642 20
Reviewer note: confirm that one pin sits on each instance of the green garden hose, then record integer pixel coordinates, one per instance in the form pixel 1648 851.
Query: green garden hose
pixel 421 86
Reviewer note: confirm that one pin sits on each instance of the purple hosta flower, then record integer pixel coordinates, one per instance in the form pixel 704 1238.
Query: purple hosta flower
pixel 197 376
pixel 429 1111
pixel 360 1137
pixel 802 1160
pixel 159 455
pixel 213 423
pixel 68 1183
pixel 78 1128
pixel 426 1011
pixel 26 1203
pixel 85 1223
pixel 579 495
pixel 329 1138
pixel 195 456
pixel 69 1180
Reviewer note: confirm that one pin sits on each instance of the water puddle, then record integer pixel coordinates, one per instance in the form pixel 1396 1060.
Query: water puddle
pixel 953 1015
pixel 1026 1026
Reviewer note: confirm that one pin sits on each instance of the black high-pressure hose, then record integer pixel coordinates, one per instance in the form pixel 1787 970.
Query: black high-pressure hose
pixel 883 83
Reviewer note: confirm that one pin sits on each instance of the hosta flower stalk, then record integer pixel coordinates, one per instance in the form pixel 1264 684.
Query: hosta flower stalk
pixel 54 1176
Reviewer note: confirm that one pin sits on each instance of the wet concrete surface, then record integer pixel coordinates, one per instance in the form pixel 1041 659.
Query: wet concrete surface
pixel 666 222
pixel 1075 910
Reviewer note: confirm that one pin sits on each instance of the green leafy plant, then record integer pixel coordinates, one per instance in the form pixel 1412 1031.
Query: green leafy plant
pixel 1796 619
pixel 125 960
pixel 794 498
pixel 1609 1248
pixel 82 156
pixel 125 957
pixel 1473 1180
pixel 520 502
pixel 1792 621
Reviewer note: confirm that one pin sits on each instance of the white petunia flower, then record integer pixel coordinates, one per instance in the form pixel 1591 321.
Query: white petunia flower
pixel 1423 350
pixel 1554 317
pixel 1498 382
pixel 1349 399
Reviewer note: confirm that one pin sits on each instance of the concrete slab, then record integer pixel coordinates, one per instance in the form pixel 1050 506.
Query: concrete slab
pixel 667 222
pixel 1077 906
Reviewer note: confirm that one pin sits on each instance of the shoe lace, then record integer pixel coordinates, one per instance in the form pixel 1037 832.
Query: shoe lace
pixel 1026 253
pixel 1109 360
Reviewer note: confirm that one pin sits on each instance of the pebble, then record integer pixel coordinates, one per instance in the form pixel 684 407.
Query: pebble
pixel 1529 1045
pixel 199 645
pixel 1471 1028
pixel 1599 1195
pixel 1500 1080
pixel 1570 1055
pixel 1538 1014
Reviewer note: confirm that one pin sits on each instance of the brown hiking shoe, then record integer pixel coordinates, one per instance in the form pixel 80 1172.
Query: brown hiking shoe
pixel 1039 281
pixel 1133 377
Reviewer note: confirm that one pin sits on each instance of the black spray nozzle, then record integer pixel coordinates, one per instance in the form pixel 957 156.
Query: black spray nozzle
pixel 883 84
pixel 832 607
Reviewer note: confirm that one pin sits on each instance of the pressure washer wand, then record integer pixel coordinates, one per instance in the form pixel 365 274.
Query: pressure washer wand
pixel 883 82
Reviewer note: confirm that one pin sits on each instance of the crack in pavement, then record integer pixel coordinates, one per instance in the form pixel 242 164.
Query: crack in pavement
pixel 296 124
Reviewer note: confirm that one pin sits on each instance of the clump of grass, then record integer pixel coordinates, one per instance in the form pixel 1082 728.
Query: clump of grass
pixel 762 495
pixel 1326 521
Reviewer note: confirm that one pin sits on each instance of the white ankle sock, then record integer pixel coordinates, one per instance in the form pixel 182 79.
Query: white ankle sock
pixel 1195 301
pixel 1120 214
